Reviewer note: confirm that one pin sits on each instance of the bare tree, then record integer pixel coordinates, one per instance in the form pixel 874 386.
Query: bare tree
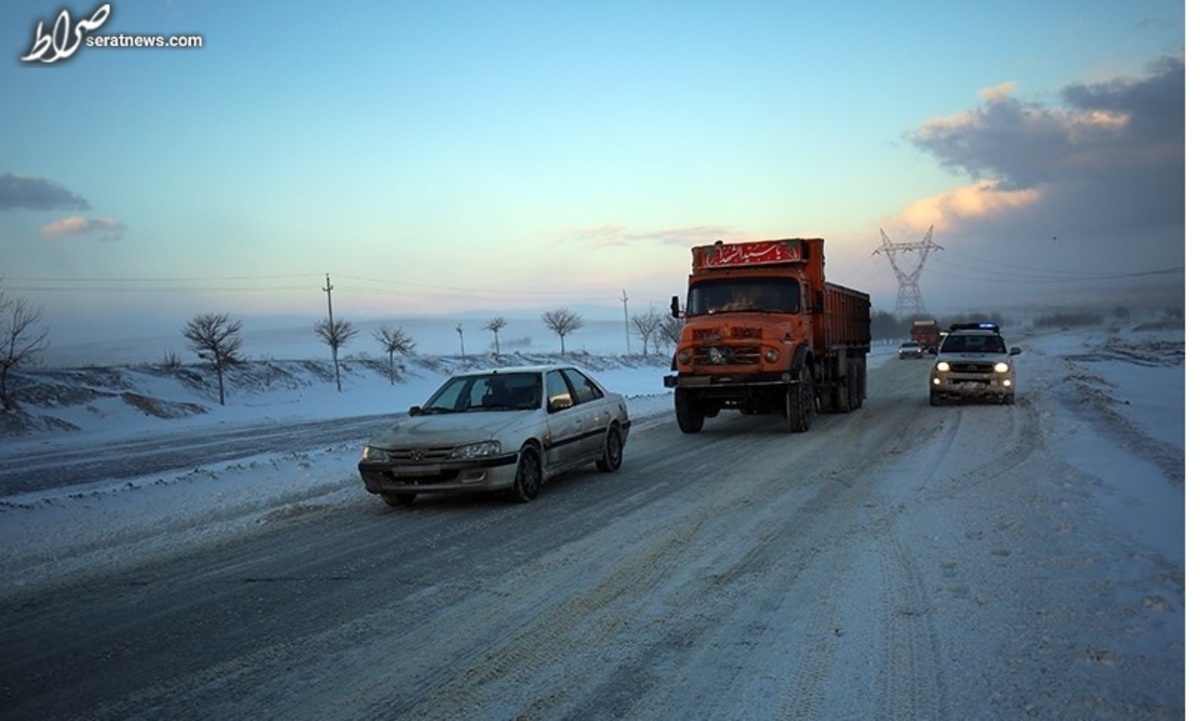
pixel 494 325
pixel 462 346
pixel 23 342
pixel 394 340
pixel 335 334
pixel 216 339
pixel 647 325
pixel 670 330
pixel 562 321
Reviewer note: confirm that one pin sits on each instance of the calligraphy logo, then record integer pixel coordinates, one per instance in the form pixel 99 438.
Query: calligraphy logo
pixel 65 37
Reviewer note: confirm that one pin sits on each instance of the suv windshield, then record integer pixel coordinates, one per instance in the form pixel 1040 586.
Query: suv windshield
pixel 973 343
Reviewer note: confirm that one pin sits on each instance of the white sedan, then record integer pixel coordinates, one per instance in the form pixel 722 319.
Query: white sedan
pixel 509 429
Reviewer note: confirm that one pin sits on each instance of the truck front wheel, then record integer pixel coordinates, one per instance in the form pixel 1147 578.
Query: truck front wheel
pixel 801 404
pixel 689 412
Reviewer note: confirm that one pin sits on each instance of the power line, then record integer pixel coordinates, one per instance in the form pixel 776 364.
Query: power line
pixel 997 272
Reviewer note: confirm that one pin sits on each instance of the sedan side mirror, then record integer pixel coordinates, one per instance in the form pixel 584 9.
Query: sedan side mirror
pixel 414 411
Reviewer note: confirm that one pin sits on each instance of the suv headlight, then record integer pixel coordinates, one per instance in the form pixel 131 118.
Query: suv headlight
pixel 374 454
pixel 1001 367
pixel 476 450
pixel 943 366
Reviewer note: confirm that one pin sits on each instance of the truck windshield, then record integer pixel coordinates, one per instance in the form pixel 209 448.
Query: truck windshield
pixel 764 295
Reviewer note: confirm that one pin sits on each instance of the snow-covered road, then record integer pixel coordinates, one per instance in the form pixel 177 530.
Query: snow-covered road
pixel 901 562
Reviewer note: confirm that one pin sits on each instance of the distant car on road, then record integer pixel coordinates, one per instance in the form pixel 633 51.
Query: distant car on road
pixel 910 349
pixel 973 361
pixel 509 429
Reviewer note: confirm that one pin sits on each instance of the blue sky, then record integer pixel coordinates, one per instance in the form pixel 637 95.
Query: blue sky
pixel 447 157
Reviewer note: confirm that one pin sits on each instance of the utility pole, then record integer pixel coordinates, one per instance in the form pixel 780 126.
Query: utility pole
pixel 329 296
pixel 337 373
pixel 625 302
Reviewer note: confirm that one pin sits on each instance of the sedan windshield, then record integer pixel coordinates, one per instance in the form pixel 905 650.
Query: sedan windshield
pixel 491 392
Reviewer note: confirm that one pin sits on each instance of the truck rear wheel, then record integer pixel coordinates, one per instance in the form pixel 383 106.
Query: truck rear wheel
pixel 689 412
pixel 801 404
pixel 853 399
pixel 860 382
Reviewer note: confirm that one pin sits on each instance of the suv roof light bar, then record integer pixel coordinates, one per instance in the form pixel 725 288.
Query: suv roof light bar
pixel 994 327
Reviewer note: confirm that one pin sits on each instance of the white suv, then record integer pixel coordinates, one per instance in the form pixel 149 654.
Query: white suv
pixel 973 361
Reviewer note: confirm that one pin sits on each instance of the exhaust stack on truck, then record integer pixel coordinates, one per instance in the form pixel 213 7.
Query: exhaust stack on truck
pixel 764 332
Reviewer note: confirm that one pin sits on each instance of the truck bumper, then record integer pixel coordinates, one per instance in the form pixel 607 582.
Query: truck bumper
pixel 732 380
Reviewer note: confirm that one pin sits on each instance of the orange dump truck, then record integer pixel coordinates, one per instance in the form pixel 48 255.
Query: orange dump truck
pixel 764 332
pixel 927 333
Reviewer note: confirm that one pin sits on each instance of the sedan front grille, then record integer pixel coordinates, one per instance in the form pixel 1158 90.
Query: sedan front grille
pixel 420 455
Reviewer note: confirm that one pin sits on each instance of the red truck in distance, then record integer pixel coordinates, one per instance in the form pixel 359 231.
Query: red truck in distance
pixel 764 332
pixel 927 333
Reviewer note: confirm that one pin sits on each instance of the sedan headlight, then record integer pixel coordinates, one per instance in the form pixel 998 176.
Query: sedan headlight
pixel 476 450
pixel 1001 367
pixel 374 454
pixel 943 366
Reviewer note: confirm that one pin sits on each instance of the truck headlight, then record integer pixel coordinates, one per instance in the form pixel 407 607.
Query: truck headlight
pixel 685 357
pixel 1001 367
pixel 374 454
pixel 771 355
pixel 476 450
pixel 943 366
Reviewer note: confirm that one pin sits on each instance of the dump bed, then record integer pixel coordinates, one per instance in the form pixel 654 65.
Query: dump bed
pixel 846 322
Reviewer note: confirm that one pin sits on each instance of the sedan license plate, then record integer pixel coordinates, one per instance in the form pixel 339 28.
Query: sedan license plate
pixel 415 471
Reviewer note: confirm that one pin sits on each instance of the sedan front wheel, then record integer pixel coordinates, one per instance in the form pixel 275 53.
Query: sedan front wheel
pixel 529 477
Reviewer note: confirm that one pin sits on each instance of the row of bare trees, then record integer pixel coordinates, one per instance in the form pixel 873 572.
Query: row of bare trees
pixel 216 338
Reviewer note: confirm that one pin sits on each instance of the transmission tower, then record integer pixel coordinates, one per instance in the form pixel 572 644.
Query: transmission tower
pixel 908 300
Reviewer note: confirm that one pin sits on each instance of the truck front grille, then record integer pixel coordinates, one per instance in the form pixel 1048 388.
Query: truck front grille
pixel 725 355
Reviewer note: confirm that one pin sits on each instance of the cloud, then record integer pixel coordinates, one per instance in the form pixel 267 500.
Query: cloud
pixel 1108 161
pixel 1080 199
pixel 618 235
pixel 77 226
pixel 17 191
pixel 947 210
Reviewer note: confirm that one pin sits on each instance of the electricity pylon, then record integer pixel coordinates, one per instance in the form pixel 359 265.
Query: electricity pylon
pixel 908 300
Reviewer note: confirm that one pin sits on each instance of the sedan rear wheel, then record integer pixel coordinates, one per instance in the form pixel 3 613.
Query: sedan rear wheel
pixel 529 477
pixel 614 451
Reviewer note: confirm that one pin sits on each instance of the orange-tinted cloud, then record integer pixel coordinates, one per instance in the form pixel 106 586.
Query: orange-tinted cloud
pixel 946 211
pixel 77 226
